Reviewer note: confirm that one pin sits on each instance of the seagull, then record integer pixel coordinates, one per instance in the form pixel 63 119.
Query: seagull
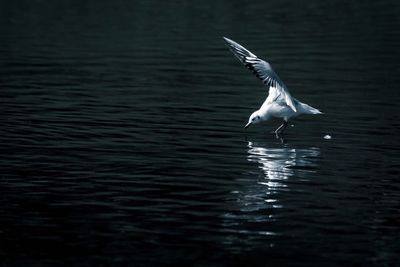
pixel 279 103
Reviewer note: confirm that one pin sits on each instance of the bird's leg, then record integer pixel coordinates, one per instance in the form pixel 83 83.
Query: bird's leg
pixel 281 129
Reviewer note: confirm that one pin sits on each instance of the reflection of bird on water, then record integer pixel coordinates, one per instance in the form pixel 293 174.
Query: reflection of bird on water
pixel 279 103
pixel 259 199
pixel 278 164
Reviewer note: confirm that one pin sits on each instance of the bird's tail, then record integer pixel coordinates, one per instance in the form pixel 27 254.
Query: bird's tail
pixel 309 109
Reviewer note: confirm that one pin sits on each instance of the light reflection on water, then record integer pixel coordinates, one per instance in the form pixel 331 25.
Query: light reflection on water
pixel 277 165
pixel 259 200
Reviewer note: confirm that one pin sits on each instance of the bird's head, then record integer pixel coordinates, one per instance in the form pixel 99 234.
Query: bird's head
pixel 254 118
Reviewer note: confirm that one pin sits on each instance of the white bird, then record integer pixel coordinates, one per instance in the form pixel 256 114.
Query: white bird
pixel 279 103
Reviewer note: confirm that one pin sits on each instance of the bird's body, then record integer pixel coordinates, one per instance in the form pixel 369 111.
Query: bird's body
pixel 279 103
pixel 279 109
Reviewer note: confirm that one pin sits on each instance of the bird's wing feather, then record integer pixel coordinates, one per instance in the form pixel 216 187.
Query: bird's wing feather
pixel 264 71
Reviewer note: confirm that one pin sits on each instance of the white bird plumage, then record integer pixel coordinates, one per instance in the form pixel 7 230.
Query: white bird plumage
pixel 279 103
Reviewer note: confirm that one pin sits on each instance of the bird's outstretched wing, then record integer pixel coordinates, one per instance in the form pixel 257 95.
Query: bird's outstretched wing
pixel 264 71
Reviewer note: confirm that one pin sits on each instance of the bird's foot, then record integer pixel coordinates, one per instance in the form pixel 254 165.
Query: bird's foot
pixel 279 136
pixel 279 131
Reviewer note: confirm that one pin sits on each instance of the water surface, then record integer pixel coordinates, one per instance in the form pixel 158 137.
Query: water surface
pixel 122 139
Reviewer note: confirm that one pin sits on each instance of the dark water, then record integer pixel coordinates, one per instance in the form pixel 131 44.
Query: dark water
pixel 122 141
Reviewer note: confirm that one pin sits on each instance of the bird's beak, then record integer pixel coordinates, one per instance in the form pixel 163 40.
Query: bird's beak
pixel 247 125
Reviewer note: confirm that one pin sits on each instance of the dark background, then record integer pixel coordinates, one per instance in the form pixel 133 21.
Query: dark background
pixel 122 140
